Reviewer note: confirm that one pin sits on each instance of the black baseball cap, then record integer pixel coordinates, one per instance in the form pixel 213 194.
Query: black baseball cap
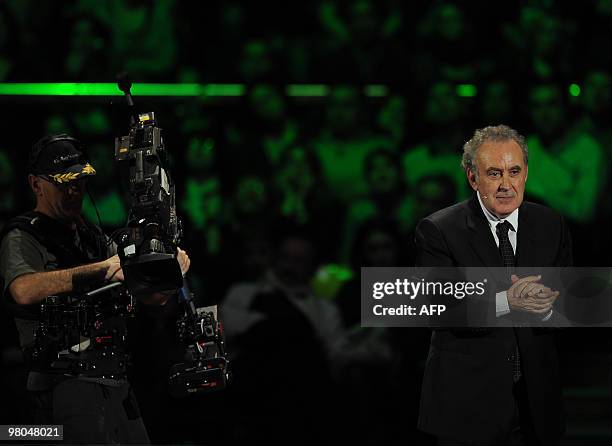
pixel 60 159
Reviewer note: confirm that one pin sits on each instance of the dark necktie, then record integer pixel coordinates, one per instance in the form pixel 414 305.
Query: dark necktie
pixel 507 254
pixel 505 247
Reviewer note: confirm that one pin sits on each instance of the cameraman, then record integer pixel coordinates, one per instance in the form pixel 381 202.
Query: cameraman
pixel 53 251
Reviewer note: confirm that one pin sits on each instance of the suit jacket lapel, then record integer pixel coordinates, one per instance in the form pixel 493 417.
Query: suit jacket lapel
pixel 525 246
pixel 481 239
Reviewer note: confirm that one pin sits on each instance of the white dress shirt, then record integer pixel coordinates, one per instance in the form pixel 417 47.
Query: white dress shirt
pixel 501 299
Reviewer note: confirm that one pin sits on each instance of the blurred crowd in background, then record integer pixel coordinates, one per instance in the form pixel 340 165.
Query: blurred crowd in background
pixel 285 196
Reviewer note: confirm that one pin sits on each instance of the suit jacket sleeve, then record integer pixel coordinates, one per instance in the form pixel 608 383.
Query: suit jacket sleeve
pixel 432 249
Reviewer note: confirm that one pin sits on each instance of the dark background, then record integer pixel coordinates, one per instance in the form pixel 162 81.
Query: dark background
pixel 285 192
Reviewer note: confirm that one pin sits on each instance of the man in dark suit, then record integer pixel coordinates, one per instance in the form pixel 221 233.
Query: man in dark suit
pixel 495 386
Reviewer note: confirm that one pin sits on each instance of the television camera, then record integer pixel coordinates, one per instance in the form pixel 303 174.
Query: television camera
pixel 147 248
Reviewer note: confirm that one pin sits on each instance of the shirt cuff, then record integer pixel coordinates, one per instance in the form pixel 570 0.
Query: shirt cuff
pixel 548 316
pixel 501 304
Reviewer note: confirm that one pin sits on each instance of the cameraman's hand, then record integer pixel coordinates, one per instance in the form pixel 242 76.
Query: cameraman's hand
pixel 114 273
pixel 528 295
pixel 183 259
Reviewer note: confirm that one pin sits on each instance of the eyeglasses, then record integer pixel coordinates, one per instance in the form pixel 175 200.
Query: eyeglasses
pixel 77 184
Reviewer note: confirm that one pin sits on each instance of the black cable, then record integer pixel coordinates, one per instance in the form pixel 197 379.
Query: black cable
pixel 93 202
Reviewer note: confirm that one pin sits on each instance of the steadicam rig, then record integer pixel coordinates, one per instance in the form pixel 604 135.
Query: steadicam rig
pixel 147 247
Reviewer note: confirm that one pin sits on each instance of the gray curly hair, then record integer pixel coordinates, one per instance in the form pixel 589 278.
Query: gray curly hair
pixel 491 133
